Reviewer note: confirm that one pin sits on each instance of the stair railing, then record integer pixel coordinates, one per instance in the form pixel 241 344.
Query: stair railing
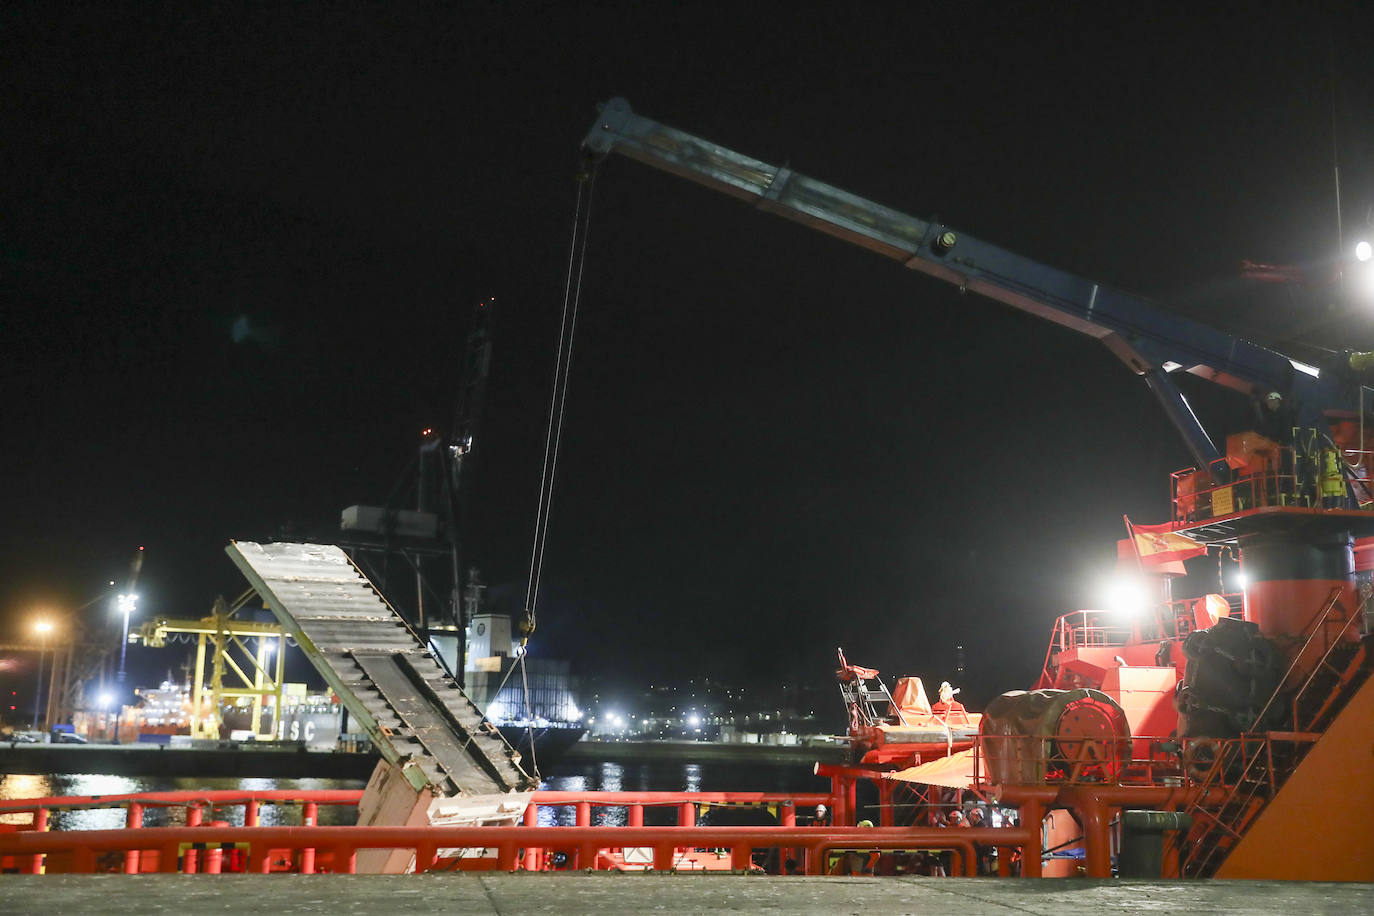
pixel 1244 800
pixel 1322 664
pixel 1332 600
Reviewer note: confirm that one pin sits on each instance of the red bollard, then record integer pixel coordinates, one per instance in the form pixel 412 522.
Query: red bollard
pixel 531 859
pixel 663 857
pixel 250 813
pixel 133 821
pixel 40 824
pixel 309 818
pixel 584 814
pixel 194 816
pixel 741 857
pixel 586 855
pixel 214 856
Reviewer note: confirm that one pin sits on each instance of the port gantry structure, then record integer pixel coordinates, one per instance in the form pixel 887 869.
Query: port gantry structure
pixel 256 671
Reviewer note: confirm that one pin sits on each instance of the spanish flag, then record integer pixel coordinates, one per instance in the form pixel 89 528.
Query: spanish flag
pixel 1156 545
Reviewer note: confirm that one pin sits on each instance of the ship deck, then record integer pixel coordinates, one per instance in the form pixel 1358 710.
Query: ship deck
pixel 606 894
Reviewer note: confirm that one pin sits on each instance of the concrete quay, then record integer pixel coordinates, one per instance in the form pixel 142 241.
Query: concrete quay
pixel 612 894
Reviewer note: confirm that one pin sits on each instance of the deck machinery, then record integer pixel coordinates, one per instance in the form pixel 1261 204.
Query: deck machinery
pixel 1226 720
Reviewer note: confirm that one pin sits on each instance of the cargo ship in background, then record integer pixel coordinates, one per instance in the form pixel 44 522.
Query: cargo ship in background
pixel 536 709
pixel 310 719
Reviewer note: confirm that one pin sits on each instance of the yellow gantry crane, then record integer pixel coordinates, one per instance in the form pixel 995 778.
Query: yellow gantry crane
pixel 224 634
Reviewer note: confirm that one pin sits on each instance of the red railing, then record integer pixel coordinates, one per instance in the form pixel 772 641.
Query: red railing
pixel 267 845
pixel 1288 476
pixel 205 847
pixel 215 847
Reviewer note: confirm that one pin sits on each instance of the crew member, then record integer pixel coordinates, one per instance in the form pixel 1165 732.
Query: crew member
pixel 1332 481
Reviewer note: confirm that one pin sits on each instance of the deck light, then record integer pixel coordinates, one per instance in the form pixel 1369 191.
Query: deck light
pixel 1126 596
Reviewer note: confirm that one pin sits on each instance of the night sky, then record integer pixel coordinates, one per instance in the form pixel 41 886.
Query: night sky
pixel 240 253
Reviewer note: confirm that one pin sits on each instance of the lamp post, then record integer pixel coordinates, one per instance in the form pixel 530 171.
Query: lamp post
pixel 127 603
pixel 43 627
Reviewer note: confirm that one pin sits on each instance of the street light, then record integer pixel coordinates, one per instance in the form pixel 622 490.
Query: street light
pixel 127 603
pixel 43 627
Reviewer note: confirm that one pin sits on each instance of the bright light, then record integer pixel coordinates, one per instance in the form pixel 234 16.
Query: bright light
pixel 128 603
pixel 1240 580
pixel 105 700
pixel 693 720
pixel 1305 368
pixel 1363 251
pixel 268 645
pixel 1126 596
pixel 1364 277
pixel 43 627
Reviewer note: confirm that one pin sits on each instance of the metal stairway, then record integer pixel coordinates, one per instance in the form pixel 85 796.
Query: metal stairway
pixel 1253 769
pixel 418 716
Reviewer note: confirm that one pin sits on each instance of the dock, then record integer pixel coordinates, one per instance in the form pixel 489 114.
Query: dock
pixel 609 894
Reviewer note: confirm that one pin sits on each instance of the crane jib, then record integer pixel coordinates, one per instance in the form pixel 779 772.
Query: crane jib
pixel 1150 340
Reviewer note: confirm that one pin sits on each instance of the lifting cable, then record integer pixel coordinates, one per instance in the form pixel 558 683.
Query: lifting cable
pixel 558 398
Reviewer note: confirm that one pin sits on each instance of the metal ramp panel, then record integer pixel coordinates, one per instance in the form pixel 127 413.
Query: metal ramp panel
pixel 418 716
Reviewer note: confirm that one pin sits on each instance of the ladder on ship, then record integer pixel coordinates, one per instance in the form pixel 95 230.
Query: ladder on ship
pixel 389 680
pixel 1251 770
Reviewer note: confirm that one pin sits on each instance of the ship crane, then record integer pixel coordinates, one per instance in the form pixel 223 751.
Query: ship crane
pixel 1152 342
pixel 1218 500
pixel 1293 498
pixel 253 671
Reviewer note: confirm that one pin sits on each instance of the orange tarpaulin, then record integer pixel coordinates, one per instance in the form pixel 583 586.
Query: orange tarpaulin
pixel 954 771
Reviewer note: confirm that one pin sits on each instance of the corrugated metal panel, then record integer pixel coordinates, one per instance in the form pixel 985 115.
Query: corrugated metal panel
pixel 389 680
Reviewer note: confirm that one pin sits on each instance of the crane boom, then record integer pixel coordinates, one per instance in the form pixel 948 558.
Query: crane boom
pixel 1151 341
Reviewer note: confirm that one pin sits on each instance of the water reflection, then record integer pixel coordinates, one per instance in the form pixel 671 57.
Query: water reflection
pixel 21 786
pixel 611 775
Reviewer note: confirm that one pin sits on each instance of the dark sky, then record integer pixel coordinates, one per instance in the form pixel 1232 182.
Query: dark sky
pixel 240 253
